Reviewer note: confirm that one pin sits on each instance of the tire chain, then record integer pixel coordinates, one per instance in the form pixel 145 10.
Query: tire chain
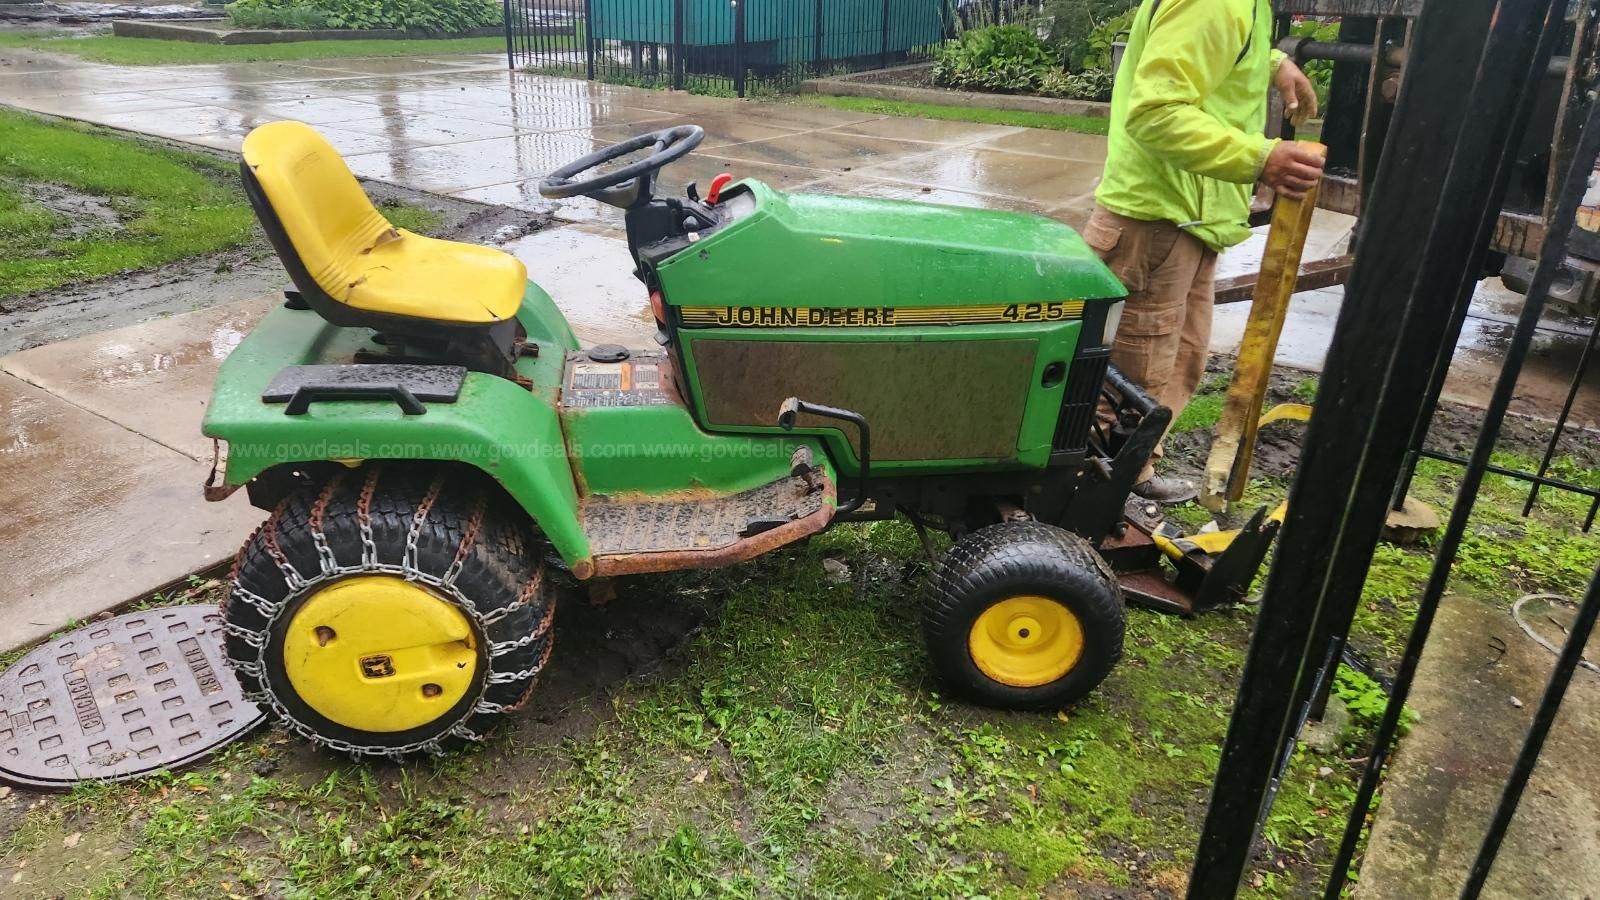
pixel 300 586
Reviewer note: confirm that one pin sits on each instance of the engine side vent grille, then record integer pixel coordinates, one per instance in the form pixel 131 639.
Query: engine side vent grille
pixel 1077 405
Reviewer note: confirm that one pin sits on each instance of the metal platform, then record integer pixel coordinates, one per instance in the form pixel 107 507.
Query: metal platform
pixel 631 536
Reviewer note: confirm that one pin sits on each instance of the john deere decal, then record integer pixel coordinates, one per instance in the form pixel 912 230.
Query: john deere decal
pixel 872 316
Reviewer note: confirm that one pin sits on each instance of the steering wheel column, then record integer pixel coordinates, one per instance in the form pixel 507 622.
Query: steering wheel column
pixel 631 186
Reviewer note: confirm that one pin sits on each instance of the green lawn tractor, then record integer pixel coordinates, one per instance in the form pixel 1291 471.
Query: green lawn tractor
pixel 439 454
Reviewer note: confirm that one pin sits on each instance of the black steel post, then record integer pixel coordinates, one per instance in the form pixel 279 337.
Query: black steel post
pixel 588 36
pixel 677 45
pixel 1436 338
pixel 1533 744
pixel 1436 184
pixel 883 48
pixel 816 50
pixel 505 15
pixel 1551 254
pixel 738 47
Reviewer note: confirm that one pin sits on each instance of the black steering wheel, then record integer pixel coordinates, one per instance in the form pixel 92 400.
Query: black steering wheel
pixel 633 184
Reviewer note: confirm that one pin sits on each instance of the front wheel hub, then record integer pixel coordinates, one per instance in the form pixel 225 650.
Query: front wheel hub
pixel 1026 641
pixel 379 654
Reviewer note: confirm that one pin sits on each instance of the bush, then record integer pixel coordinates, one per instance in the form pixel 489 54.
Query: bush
pixel 1090 84
pixel 438 16
pixel 1073 30
pixel 246 15
pixel 1011 59
pixel 1098 53
pixel 1002 58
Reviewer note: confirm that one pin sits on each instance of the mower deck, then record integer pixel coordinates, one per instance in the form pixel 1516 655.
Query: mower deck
pixel 630 535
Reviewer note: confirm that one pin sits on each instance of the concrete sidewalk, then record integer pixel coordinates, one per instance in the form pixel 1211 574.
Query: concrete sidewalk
pixel 103 463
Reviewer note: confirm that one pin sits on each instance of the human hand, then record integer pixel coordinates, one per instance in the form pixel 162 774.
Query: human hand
pixel 1292 169
pixel 1299 96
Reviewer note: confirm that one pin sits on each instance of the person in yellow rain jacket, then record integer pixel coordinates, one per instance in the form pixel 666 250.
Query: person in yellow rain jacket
pixel 1186 146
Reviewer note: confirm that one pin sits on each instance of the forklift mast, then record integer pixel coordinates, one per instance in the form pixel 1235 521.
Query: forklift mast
pixel 1369 59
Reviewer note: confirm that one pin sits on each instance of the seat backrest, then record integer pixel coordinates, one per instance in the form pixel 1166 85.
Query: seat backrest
pixel 313 209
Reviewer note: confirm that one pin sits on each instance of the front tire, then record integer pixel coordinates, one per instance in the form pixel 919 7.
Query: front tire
pixel 1023 615
pixel 391 610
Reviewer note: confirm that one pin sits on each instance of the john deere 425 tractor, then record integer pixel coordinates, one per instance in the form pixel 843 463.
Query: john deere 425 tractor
pixel 439 452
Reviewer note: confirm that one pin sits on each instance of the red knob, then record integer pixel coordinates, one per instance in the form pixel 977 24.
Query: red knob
pixel 717 184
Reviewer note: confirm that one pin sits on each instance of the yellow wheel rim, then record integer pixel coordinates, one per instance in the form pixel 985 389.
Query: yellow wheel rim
pixel 1026 641
pixel 378 653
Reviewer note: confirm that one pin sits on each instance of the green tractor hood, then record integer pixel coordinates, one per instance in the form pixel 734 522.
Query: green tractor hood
pixel 814 250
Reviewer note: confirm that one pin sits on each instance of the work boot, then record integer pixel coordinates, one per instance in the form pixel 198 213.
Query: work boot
pixel 1166 490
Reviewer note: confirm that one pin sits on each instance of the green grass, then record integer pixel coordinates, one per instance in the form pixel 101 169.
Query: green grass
pixel 797 748
pixel 981 115
pixel 130 51
pixel 1205 407
pixel 169 204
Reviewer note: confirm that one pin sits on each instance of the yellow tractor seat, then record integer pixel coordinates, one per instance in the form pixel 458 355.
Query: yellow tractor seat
pixel 442 298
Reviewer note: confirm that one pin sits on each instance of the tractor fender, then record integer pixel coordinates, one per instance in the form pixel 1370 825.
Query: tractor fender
pixel 496 426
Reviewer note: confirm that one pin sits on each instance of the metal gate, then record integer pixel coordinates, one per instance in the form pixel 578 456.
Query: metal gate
pixel 1427 223
pixel 727 47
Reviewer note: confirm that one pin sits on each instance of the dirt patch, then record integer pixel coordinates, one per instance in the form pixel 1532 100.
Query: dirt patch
pixel 1454 430
pixel 905 76
pixel 861 802
pixel 80 213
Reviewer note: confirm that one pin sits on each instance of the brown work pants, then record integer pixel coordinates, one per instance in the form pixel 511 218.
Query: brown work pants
pixel 1163 340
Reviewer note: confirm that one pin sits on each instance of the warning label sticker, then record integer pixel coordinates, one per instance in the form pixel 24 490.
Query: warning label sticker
pixel 641 381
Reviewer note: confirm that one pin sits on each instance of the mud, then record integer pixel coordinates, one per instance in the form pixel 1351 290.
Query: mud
pixel 905 76
pixel 80 213
pixel 232 275
pixel 1454 430
pixel 638 634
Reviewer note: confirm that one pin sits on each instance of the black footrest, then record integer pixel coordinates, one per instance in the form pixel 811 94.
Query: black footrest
pixel 408 386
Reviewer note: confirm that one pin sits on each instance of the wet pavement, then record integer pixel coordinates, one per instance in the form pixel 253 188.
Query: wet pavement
pixel 1547 371
pixel 1476 690
pixel 464 125
pixel 99 509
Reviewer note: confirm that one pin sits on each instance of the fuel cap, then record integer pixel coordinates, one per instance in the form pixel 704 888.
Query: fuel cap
pixel 608 353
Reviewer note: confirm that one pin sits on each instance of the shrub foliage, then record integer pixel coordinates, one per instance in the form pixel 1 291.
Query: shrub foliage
pixel 437 16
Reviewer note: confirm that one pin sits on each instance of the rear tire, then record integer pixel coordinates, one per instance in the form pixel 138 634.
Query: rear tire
pixel 1023 615
pixel 387 552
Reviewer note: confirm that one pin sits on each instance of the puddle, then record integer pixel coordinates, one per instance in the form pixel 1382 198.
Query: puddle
pixel 590 276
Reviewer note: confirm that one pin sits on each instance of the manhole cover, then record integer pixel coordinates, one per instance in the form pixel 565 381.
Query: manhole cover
pixel 117 699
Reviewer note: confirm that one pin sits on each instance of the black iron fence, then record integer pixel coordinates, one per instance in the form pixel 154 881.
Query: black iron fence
pixel 1438 186
pixel 732 47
